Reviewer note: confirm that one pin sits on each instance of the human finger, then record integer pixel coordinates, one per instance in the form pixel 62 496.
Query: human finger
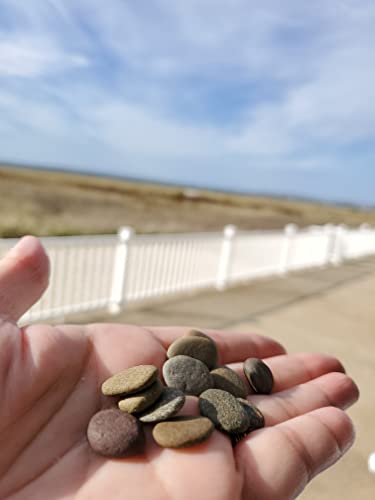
pixel 232 346
pixel 332 389
pixel 24 273
pixel 278 462
pixel 293 369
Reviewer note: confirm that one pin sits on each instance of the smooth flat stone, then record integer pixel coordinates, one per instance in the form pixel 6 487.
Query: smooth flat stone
pixel 113 433
pixel 132 380
pixel 227 379
pixel 187 374
pixel 182 432
pixel 224 410
pixel 197 347
pixel 170 402
pixel 142 400
pixel 259 375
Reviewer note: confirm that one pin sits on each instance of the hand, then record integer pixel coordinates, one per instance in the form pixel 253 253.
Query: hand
pixel 50 381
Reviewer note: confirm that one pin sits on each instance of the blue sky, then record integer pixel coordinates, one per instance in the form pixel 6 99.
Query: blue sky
pixel 275 96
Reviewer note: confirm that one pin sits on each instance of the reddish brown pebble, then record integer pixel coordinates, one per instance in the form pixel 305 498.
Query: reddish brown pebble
pixel 114 433
pixel 259 375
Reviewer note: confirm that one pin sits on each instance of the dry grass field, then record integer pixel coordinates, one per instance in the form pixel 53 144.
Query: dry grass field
pixel 44 202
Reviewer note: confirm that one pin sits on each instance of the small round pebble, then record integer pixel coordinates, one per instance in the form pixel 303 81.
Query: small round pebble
pixel 182 432
pixel 142 400
pixel 259 375
pixel 197 347
pixel 170 402
pixel 132 380
pixel 113 433
pixel 188 374
pixel 224 410
pixel 227 379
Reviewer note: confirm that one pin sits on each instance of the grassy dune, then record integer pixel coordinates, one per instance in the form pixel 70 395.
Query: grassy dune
pixel 44 203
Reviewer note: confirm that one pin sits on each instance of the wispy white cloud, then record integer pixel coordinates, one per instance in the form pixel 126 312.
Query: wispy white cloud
pixel 156 81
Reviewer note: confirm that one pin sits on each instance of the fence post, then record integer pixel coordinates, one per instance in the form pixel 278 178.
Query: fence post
pixel 338 246
pixel 225 257
pixel 119 269
pixel 290 230
pixel 330 231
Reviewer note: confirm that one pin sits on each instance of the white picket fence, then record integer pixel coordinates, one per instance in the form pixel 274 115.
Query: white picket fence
pixel 109 272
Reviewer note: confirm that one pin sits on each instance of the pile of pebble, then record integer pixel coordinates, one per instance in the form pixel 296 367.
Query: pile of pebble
pixel 191 369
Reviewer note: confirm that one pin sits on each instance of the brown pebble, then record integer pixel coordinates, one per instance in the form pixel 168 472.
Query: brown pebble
pixel 132 380
pixel 113 433
pixel 259 375
pixel 182 432
pixel 142 400
pixel 197 347
pixel 227 379
pixel 198 333
pixel 224 410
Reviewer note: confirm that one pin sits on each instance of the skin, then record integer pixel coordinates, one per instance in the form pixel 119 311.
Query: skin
pixel 49 389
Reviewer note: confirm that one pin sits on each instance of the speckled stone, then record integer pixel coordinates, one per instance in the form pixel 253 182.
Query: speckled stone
pixel 198 347
pixel 141 400
pixel 182 432
pixel 170 402
pixel 113 433
pixel 224 410
pixel 227 379
pixel 259 375
pixel 132 380
pixel 188 374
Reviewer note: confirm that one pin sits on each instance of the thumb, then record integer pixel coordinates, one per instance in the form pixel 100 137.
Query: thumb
pixel 24 273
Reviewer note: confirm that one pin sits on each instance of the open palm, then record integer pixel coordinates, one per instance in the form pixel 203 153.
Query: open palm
pixel 50 380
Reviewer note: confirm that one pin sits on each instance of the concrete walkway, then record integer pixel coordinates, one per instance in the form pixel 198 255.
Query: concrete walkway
pixel 329 310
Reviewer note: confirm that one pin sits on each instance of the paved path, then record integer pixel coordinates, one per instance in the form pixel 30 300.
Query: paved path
pixel 330 310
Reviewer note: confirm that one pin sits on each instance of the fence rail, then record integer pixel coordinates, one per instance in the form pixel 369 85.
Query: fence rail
pixel 109 272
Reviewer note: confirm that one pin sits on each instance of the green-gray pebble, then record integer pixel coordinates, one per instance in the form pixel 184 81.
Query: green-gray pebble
pixel 224 410
pixel 198 347
pixel 188 374
pixel 182 432
pixel 170 402
pixel 132 380
pixel 259 375
pixel 141 400
pixel 227 379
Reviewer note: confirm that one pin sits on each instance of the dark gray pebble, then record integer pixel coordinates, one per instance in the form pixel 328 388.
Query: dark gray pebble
pixel 113 433
pixel 170 402
pixel 224 410
pixel 187 374
pixel 259 375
